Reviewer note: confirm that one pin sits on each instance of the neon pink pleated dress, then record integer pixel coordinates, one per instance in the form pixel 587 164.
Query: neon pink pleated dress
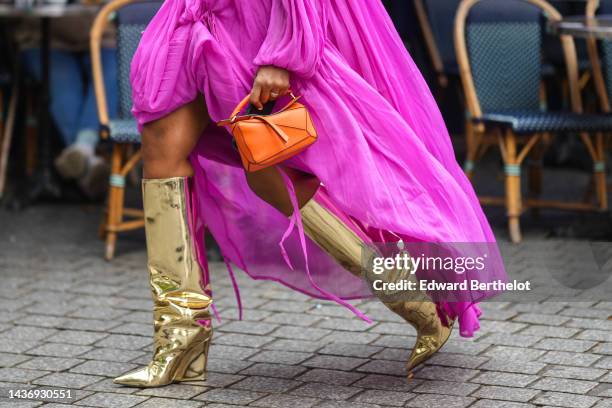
pixel 384 155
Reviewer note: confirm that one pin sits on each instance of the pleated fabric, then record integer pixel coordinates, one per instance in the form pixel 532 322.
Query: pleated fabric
pixel 384 155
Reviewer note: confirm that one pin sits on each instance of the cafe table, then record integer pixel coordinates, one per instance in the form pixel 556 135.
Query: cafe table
pixel 43 183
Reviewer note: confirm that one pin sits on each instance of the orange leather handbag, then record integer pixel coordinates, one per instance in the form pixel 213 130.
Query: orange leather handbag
pixel 266 140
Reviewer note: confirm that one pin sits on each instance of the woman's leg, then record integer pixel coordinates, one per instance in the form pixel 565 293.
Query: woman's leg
pixel 269 185
pixel 167 142
pixel 182 321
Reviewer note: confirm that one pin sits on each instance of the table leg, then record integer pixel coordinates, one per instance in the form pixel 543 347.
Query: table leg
pixel 44 183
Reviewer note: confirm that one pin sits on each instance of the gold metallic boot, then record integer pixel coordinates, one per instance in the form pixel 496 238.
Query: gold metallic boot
pixel 341 243
pixel 181 309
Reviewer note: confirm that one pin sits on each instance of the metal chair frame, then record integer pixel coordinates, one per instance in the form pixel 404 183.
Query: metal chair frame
pixel 516 148
pixel 123 161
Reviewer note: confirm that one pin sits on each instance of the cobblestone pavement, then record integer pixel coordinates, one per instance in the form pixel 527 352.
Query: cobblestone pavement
pixel 70 320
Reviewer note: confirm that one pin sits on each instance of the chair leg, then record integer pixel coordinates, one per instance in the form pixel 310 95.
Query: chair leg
pixel 115 203
pixel 7 129
pixel 471 149
pixel 513 187
pixel 535 175
pixel 601 184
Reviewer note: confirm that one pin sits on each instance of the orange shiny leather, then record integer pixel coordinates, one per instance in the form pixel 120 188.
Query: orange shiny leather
pixel 264 141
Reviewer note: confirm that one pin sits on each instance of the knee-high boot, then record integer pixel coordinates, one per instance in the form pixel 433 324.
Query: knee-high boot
pixel 181 309
pixel 340 242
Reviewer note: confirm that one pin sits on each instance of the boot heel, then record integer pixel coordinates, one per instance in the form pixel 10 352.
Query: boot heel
pixel 196 370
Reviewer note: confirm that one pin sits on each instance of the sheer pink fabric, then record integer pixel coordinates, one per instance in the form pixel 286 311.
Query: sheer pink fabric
pixel 383 155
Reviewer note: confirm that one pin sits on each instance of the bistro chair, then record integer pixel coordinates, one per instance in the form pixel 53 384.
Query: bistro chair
pixel 131 17
pixel 500 62
pixel 436 20
pixel 600 54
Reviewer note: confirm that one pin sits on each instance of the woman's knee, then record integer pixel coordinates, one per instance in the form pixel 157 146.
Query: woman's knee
pixel 269 185
pixel 167 142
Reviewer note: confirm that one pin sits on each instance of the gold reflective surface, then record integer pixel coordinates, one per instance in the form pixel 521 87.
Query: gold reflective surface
pixel 181 310
pixel 342 244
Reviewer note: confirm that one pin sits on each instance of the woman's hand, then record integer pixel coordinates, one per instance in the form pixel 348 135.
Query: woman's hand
pixel 270 83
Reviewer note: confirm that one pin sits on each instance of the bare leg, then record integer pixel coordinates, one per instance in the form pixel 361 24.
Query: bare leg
pixel 167 142
pixel 270 187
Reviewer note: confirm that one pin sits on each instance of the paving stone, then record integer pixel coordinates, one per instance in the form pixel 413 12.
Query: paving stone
pixel 230 396
pixel 108 400
pixel 577 373
pixel 224 365
pixel 357 325
pixel 50 363
pixel 183 391
pixel 16 346
pixel 513 353
pixel 564 385
pixel 293 345
pixel 565 345
pixel 88 324
pixel 393 354
pixel 27 333
pixel 20 374
pixel 350 350
pixel 76 337
pixel 456 360
pixel 138 329
pixel 280 357
pixel 286 306
pixel 570 359
pixel 605 363
pixel 115 355
pixel 390 340
pixel 123 341
pixel 169 403
pixel 596 335
pixel 335 362
pixel 464 346
pixel 284 401
pixel 106 385
pixel 221 380
pixel 273 370
pixel 484 403
pixel 330 376
pixel 559 399
pixel 345 404
pixel 437 401
pixel 249 328
pixel 506 339
pixel 59 350
pixel 387 382
pixel 327 391
pixel 266 384
pixel 446 373
pixel 351 338
pixel 505 393
pixel 236 353
pixel 242 340
pixel 501 327
pixel 519 367
pixel 543 319
pixel 596 324
pixel 11 403
pixel 384 367
pixel 386 398
pixel 9 359
pixel 551 331
pixel 504 379
pixel 293 319
pixel 299 333
pixel 67 380
pixel 97 312
pixel 446 388
pixel 103 368
pixel 603 348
